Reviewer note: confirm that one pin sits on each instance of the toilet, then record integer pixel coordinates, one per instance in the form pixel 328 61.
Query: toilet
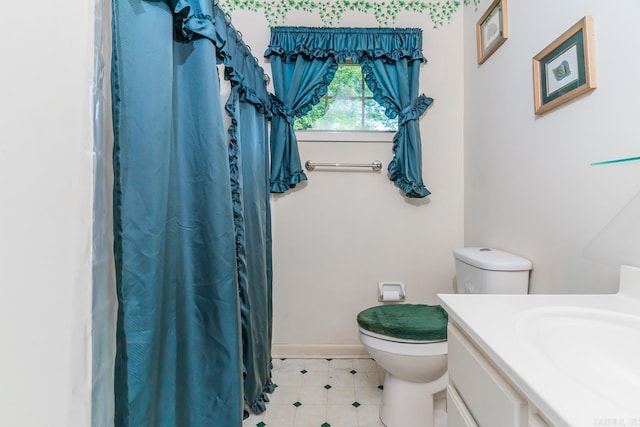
pixel 410 340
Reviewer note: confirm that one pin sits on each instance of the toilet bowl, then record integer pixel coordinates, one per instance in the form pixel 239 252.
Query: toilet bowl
pixel 415 372
pixel 409 340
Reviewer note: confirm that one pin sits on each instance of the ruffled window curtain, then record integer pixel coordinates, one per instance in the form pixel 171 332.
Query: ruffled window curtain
pixel 192 236
pixel 303 63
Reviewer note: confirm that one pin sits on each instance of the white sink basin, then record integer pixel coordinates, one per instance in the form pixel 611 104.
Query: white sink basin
pixel 599 349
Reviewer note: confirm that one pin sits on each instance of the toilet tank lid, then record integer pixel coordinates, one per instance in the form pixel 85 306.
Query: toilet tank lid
pixel 492 259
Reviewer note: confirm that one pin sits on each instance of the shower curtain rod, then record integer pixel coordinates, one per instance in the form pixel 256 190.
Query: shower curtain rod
pixel 238 36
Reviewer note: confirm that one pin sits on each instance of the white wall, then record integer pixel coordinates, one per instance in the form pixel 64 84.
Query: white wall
pixel 529 186
pixel 45 219
pixel 340 233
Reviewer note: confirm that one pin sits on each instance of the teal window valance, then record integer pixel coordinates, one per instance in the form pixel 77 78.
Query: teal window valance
pixel 353 43
pixel 303 63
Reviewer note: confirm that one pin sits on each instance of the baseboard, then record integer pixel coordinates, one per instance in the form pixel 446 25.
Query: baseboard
pixel 318 351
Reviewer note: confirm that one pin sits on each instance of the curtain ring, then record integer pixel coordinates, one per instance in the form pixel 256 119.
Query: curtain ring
pixel 216 2
pixel 227 18
pixel 238 36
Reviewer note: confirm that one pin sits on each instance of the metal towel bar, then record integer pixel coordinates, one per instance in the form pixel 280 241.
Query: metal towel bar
pixel 376 165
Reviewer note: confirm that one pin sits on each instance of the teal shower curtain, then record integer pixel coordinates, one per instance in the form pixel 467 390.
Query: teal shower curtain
pixel 192 236
pixel 249 108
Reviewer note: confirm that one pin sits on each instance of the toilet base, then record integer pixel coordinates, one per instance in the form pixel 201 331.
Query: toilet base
pixel 409 404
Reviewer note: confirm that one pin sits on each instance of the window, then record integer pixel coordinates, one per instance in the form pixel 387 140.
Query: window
pixel 347 106
pixel 300 56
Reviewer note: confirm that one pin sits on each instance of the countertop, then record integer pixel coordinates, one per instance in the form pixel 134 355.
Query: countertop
pixel 495 323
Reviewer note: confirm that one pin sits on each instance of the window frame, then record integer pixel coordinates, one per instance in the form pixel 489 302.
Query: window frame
pixel 345 135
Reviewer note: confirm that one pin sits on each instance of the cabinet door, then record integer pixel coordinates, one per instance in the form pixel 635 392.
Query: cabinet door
pixel 457 413
pixel 490 399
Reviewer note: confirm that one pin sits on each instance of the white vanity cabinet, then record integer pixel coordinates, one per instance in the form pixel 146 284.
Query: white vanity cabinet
pixel 478 394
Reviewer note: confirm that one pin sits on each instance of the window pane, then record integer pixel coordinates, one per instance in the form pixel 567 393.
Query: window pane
pixel 375 119
pixel 348 105
pixel 346 82
pixel 342 114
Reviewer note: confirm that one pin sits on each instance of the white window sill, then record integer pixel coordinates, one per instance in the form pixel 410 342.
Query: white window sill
pixel 344 136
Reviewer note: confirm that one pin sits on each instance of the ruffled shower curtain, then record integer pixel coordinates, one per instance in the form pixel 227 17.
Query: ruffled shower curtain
pixel 249 107
pixel 192 238
pixel 303 63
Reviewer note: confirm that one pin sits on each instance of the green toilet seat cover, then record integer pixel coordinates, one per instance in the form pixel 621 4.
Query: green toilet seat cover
pixel 417 322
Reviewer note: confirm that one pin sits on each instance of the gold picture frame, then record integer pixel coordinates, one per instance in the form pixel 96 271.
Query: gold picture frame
pixel 492 30
pixel 565 69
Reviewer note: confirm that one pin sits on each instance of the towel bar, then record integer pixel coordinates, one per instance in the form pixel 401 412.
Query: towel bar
pixel 376 165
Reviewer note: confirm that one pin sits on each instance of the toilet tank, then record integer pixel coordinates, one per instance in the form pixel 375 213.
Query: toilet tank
pixel 490 271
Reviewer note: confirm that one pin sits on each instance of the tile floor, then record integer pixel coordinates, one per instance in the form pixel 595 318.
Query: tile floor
pixel 323 393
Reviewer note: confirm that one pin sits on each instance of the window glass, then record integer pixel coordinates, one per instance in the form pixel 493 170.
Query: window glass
pixel 347 106
pixel 375 119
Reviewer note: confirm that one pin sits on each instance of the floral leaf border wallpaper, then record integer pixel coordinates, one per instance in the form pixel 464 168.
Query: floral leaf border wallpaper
pixel 385 12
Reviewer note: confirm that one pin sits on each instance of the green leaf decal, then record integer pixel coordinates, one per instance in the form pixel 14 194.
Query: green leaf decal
pixel 331 11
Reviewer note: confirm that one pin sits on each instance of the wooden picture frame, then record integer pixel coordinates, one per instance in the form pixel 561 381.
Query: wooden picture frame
pixel 565 69
pixel 492 30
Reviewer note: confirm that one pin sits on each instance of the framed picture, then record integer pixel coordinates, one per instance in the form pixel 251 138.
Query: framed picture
pixel 565 69
pixel 492 30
